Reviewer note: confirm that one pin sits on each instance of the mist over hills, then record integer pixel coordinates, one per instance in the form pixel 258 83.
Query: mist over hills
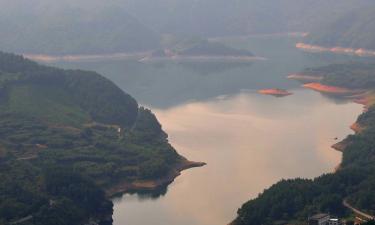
pixel 355 29
pixel 91 27
pixel 238 17
pixel 46 28
pixel 69 139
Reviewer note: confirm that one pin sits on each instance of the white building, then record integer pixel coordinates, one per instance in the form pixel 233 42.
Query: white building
pixel 334 221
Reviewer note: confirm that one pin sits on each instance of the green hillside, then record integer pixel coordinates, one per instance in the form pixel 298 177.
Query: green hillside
pixel 61 147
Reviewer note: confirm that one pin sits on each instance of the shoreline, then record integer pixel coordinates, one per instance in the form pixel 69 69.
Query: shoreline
pixel 152 184
pixel 139 56
pixel 340 146
pixel 293 34
pixel 203 58
pixel 46 58
pixel 356 127
pixel 363 97
pixel 361 52
pixel 327 89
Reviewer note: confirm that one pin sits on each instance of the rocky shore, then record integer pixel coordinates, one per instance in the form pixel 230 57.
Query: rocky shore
pixel 154 184
pixel 275 92
pixel 336 50
pixel 329 89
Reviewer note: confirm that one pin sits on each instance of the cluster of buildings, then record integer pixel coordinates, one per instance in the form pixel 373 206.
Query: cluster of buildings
pixel 326 219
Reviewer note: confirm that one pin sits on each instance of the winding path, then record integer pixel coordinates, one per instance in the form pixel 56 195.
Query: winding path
pixel 25 219
pixel 357 211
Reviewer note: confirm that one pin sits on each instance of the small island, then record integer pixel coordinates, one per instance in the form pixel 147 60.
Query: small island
pixel 276 92
pixel 199 51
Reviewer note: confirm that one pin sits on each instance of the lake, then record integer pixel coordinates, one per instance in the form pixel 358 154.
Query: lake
pixel 213 113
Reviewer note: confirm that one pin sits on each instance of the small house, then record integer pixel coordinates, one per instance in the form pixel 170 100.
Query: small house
pixel 320 219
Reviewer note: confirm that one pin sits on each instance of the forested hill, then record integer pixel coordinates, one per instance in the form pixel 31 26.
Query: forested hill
pixel 355 29
pixel 66 136
pixel 292 201
pixel 97 98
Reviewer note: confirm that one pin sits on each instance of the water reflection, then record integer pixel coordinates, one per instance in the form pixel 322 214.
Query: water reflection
pixel 337 99
pixel 145 195
pixel 164 85
pixel 249 141
pixel 206 68
pixel 168 84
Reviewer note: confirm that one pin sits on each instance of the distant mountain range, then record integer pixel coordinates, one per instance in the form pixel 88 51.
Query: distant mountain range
pixel 97 27
pixel 222 18
pixel 355 29
pixel 36 27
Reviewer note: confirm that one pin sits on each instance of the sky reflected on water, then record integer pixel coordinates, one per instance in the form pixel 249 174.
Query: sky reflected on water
pixel 249 141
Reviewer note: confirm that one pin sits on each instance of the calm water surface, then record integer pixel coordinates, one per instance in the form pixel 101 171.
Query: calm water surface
pixel 212 113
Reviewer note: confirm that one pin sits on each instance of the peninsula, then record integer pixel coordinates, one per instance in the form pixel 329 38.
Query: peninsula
pixel 70 139
pixel 275 92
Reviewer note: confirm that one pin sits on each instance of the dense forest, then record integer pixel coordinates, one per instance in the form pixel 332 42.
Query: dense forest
pixel 296 199
pixel 65 137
